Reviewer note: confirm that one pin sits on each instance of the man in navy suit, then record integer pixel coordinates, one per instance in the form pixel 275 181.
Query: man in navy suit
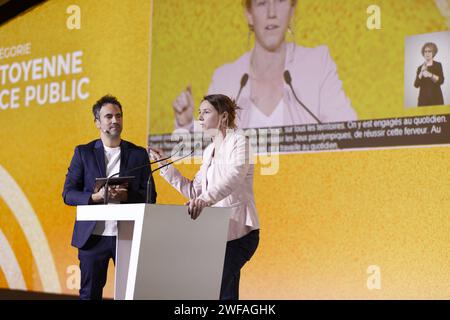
pixel 96 240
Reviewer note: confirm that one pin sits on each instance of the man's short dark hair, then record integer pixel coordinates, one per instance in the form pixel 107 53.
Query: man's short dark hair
pixel 101 102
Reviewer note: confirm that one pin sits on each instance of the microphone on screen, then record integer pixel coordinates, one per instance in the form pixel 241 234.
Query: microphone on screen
pixel 288 80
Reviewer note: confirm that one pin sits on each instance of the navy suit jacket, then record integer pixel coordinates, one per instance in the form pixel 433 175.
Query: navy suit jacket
pixel 88 163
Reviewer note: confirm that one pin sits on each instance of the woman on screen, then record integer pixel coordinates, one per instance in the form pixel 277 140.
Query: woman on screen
pixel 429 78
pixel 259 83
pixel 225 179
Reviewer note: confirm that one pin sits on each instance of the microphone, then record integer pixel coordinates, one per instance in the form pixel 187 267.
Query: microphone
pixel 106 194
pixel 149 185
pixel 167 158
pixel 244 81
pixel 288 79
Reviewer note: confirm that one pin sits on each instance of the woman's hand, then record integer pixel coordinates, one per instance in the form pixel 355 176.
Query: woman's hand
pixel 98 196
pixel 424 67
pixel 422 70
pixel 195 207
pixel 427 74
pixel 183 106
pixel 157 154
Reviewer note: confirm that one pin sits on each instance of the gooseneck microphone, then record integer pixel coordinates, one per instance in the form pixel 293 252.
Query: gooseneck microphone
pixel 106 193
pixel 244 81
pixel 288 79
pixel 149 184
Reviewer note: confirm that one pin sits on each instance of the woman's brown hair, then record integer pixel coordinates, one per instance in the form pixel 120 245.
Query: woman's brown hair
pixel 223 103
pixel 248 3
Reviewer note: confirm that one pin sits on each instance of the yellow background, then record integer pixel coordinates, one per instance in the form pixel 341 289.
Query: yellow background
pixel 37 143
pixel 325 217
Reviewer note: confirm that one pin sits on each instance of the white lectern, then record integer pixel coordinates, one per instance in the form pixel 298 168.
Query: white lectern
pixel 162 253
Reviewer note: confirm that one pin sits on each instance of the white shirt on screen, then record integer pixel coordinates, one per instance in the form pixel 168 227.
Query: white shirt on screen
pixel 112 162
pixel 259 120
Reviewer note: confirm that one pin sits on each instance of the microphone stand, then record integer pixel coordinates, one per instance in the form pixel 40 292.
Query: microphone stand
pixel 106 193
pixel 288 79
pixel 150 185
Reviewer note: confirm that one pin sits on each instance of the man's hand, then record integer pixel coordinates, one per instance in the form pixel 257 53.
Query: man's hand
pixel 98 196
pixel 118 193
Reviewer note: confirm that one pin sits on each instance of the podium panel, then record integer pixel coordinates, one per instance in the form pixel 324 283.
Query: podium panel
pixel 162 253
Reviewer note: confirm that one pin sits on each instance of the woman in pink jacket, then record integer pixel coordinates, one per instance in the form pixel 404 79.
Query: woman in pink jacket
pixel 259 79
pixel 225 179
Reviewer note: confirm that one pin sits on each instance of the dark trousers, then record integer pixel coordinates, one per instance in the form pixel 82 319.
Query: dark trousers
pixel 238 252
pixel 94 258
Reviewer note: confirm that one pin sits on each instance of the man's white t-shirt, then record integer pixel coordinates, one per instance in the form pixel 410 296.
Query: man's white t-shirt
pixel 112 162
